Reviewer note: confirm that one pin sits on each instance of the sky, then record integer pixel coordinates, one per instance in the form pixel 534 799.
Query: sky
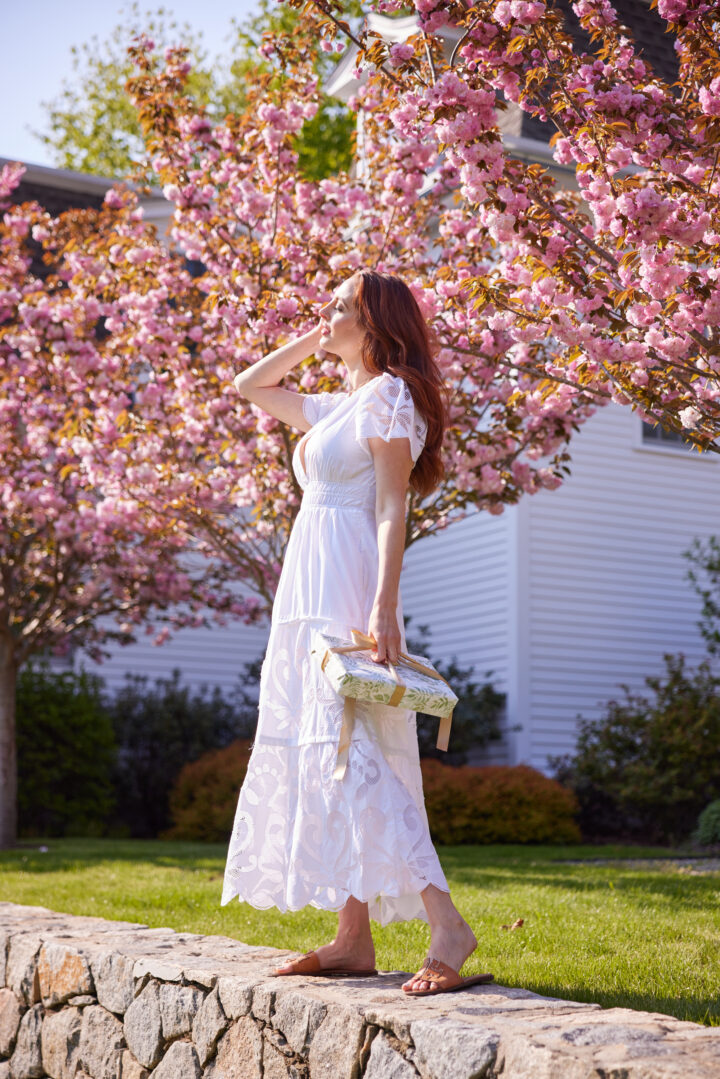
pixel 36 57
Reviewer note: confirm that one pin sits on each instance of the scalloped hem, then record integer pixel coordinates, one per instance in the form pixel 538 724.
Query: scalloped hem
pixel 383 909
pixel 302 839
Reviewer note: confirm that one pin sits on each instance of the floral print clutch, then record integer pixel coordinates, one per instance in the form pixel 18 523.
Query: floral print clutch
pixel 412 683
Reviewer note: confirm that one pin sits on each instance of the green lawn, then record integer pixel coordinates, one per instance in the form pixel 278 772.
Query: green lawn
pixel 617 936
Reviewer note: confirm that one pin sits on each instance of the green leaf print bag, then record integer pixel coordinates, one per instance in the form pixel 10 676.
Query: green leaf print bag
pixel 357 677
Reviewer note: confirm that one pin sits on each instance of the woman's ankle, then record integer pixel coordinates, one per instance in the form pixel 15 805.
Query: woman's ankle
pixel 354 938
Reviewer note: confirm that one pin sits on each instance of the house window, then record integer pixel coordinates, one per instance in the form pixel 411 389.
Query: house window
pixel 661 436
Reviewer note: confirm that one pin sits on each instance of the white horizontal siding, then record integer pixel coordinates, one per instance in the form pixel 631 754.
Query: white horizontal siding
pixel 456 581
pixel 607 594
pixel 562 597
pixel 211 656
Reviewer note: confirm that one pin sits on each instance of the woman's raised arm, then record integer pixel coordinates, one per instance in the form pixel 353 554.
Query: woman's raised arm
pixel 259 382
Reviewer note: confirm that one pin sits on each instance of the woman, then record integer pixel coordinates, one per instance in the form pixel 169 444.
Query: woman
pixel 359 845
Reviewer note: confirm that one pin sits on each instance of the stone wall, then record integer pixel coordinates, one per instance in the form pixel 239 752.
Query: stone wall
pixel 84 997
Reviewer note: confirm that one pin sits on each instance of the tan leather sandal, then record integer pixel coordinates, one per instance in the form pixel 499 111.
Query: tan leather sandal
pixel 443 979
pixel 309 965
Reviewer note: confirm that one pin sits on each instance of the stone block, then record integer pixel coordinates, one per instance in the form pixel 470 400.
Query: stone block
pixel 63 973
pixel 179 1004
pixel 5 1070
pixel 336 1044
pixel 101 1043
pixel 10 1015
pixel 386 1063
pixel 209 1025
pixel 157 967
pixel 130 1068
pixel 21 974
pixel 447 1049
pixel 274 1063
pixel 143 1026
pixel 60 1043
pixel 4 942
pixel 236 996
pixel 239 1053
pixel 263 1000
pixel 26 1061
pixel 200 977
pixel 114 982
pixel 596 1034
pixel 180 1062
pixel 297 1017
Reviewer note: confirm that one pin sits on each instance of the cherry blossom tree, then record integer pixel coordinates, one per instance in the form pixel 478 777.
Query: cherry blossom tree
pixel 138 486
pixel 274 246
pixel 612 289
pixel 90 551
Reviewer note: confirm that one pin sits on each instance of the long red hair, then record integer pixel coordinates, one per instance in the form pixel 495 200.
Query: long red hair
pixel 399 340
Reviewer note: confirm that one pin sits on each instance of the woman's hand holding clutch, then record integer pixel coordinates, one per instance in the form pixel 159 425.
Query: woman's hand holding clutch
pixel 383 628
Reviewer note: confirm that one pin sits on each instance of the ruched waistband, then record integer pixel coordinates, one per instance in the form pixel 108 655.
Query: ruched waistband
pixel 341 495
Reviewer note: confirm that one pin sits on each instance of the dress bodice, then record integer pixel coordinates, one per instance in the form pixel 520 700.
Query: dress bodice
pixel 330 570
pixel 335 450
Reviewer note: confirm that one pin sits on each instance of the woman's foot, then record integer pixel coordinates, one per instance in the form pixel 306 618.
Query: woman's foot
pixel 452 943
pixel 343 953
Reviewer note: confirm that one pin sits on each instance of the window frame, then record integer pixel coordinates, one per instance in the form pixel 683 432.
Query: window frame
pixel 666 448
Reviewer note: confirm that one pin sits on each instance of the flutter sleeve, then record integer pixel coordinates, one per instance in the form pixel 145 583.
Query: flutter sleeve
pixel 317 405
pixel 387 411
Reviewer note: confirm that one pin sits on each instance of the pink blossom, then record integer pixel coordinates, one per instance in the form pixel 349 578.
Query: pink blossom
pixel 287 307
pixel 400 52
pixel 689 417
pixel 710 98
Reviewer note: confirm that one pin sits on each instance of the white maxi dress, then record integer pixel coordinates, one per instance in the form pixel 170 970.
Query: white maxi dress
pixel 299 836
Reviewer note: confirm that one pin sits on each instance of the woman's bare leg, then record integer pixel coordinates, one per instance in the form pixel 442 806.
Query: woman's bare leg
pixel 451 938
pixel 353 944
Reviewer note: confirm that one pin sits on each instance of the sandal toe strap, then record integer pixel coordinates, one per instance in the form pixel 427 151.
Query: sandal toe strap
pixel 437 973
pixel 307 963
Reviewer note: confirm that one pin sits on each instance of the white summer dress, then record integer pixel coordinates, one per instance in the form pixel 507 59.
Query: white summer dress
pixel 301 837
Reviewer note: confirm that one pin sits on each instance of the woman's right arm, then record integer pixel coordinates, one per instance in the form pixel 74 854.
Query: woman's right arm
pixel 259 382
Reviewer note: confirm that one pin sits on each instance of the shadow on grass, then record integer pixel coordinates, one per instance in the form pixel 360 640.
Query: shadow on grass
pixel 702 1010
pixel 664 885
pixel 63 854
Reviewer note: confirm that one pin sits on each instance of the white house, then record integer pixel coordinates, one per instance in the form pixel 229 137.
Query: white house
pixel 573 591
pixel 564 596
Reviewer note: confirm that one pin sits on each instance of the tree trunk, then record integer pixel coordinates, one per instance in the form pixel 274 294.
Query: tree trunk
pixel 8 751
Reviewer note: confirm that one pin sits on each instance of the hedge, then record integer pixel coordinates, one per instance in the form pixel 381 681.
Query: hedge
pixel 464 805
pixel 497 804
pixel 204 797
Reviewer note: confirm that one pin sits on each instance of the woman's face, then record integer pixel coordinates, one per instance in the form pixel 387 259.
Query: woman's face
pixel 342 332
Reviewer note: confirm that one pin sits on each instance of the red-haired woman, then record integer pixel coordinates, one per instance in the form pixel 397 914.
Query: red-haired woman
pixel 359 845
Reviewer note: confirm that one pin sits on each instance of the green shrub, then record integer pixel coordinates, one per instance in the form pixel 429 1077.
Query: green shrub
pixel 647 767
pixel 708 826
pixel 204 797
pixel 66 749
pixel 161 729
pixel 497 804
pixel 477 716
pixel 464 804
